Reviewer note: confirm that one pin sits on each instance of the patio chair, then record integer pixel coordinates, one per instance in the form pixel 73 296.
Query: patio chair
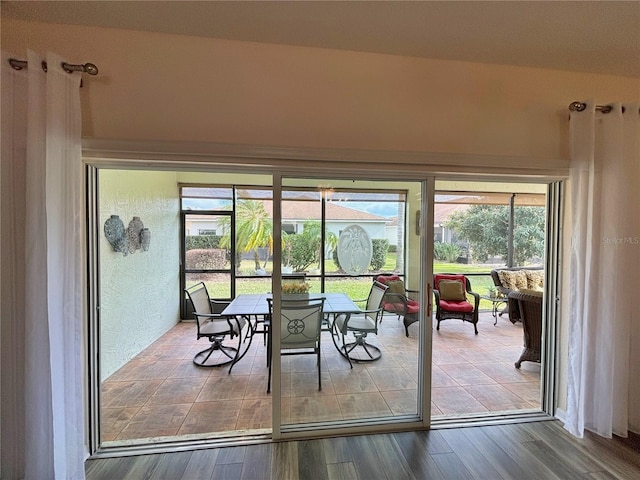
pixel 212 325
pixel 264 320
pixel 397 300
pixel 530 309
pixel 360 325
pixel 300 330
pixel 450 293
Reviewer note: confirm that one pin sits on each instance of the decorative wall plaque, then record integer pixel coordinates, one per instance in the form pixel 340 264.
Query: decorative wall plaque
pixel 354 250
pixel 133 234
pixel 115 234
pixel 145 238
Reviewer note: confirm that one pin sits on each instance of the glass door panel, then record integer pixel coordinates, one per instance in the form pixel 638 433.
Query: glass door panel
pixel 343 235
pixel 480 227
pixel 207 256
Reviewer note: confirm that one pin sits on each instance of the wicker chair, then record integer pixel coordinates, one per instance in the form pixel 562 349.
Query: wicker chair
pixel 511 308
pixel 460 309
pixel 530 308
pixel 399 300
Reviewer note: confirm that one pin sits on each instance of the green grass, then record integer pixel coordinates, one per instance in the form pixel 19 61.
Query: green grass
pixel 359 288
pixel 441 267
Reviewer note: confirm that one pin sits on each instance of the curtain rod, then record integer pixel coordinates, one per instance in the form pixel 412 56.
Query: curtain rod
pixel 580 106
pixel 89 68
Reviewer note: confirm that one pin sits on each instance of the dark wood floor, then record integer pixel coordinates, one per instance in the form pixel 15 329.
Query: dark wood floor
pixel 538 450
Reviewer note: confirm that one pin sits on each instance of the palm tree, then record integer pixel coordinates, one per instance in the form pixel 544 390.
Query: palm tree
pixel 254 230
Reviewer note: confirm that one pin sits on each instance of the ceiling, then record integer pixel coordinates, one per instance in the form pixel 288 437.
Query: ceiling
pixel 598 36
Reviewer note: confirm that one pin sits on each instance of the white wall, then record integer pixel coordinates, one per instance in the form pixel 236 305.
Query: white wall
pixel 139 292
pixel 168 87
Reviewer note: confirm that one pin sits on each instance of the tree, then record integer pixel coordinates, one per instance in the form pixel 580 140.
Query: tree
pixel 254 230
pixel 302 250
pixel 486 228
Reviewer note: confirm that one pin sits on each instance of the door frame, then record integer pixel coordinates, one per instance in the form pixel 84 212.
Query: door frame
pixel 273 161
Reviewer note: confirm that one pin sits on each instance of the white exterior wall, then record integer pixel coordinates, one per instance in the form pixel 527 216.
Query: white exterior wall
pixel 139 292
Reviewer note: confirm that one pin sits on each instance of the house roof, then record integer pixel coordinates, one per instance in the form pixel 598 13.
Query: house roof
pixel 301 211
pixel 333 211
pixel 442 211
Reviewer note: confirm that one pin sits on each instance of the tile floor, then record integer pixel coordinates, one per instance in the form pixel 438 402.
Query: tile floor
pixel 162 393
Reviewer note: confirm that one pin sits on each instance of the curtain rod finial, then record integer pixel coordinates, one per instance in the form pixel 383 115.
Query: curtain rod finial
pixel 577 106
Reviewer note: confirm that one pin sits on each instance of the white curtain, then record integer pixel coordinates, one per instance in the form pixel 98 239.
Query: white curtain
pixel 605 261
pixel 42 183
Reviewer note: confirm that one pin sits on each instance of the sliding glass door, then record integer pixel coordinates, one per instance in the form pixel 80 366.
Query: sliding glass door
pixel 363 246
pixel 490 233
pixel 342 238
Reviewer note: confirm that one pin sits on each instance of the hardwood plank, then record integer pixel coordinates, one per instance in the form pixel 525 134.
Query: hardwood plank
pixel 257 463
pixel 171 466
pixel 378 454
pixel 495 455
pixel 565 446
pixel 533 450
pixel 201 464
pixel 606 454
pixel 415 452
pixel 603 475
pixel 311 460
pixel 520 432
pixel 432 440
pixel 469 455
pixel 520 454
pixel 613 459
pixel 391 457
pixel 342 471
pixel 143 466
pixel 108 468
pixel 365 458
pixel 561 465
pixel 227 471
pixel 284 465
pixel 231 455
pixel 622 448
pixel 336 450
pixel 452 466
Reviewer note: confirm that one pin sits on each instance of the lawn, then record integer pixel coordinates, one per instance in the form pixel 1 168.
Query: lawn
pixel 356 288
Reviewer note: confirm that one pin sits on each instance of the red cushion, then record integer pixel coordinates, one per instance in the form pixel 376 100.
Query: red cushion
pixel 441 276
pixel 385 279
pixel 412 307
pixel 463 307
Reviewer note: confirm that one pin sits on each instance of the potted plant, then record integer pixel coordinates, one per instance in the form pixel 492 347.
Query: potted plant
pixel 295 289
pixel 493 293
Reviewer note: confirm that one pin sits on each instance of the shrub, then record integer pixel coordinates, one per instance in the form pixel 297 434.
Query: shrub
pixel 201 241
pixel 336 262
pixel 299 252
pixel 447 252
pixel 205 259
pixel 379 255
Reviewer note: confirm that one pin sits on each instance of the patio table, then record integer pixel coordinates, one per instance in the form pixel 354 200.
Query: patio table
pixel 255 304
pixel 495 305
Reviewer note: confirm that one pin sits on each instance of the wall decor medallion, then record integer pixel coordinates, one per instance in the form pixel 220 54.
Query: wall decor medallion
pixel 115 234
pixel 133 234
pixel 145 238
pixel 354 250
